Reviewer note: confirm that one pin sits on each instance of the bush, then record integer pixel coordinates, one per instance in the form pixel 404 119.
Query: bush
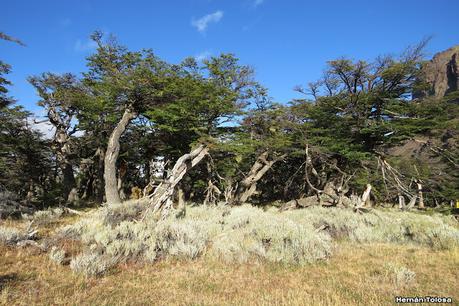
pixel 115 234
pixel 43 217
pixel 401 276
pixel 184 239
pixel 10 235
pixel 250 233
pixel 91 264
pixel 436 231
pixel 57 255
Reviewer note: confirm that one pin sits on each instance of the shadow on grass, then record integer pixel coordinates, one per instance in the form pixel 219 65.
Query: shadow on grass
pixel 7 279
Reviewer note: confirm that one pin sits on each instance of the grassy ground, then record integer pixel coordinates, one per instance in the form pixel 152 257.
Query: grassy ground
pixel 356 274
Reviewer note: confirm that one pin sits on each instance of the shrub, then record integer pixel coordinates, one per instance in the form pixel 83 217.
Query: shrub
pixel 57 255
pixel 249 232
pixel 180 238
pixel 10 235
pixel 116 233
pixel 401 276
pixel 91 264
pixel 43 217
pixel 114 214
pixel 434 231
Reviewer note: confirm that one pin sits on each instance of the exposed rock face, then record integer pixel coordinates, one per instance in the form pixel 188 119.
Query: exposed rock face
pixel 441 74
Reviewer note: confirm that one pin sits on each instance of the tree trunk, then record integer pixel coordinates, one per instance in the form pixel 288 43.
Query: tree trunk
pixel 111 155
pixel 412 202
pixel 62 148
pixel 248 185
pixel 420 196
pixel 365 197
pixel 68 181
pixel 212 193
pixel 163 195
pixel 401 201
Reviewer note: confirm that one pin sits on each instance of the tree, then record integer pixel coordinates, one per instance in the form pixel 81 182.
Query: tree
pixel 25 161
pixel 59 97
pixel 210 96
pixel 123 83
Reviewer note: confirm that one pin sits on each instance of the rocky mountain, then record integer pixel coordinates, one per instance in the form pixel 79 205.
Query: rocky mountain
pixel 440 75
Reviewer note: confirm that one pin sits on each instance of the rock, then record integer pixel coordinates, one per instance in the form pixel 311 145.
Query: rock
pixel 441 74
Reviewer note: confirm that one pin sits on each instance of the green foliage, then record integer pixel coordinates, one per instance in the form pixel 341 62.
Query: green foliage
pixel 22 151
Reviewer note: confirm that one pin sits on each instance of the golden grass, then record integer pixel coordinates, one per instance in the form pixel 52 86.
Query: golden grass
pixel 355 275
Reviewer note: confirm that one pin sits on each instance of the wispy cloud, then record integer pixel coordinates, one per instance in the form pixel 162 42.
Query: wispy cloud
pixel 258 2
pixel 203 55
pixel 84 46
pixel 202 23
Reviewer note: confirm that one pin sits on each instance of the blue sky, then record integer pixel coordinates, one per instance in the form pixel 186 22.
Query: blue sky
pixel 287 42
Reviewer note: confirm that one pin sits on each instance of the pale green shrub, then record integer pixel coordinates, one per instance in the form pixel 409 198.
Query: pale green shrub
pixel 91 264
pixel 401 276
pixel 250 232
pixel 43 217
pixel 57 255
pixel 9 235
pixel 114 214
pixel 117 233
pixel 436 231
pixel 181 238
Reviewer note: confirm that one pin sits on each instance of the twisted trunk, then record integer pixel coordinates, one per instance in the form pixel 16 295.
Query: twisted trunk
pixel 248 185
pixel 111 155
pixel 163 196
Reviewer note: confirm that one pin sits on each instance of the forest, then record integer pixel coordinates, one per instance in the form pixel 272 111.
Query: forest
pixel 210 132
pixel 150 160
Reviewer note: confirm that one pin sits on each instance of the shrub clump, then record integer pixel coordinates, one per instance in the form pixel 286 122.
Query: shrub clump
pixel 436 231
pixel 117 234
pixel 91 264
pixel 9 235
pixel 249 233
pixel 401 276
pixel 57 255
pixel 186 239
pixel 43 217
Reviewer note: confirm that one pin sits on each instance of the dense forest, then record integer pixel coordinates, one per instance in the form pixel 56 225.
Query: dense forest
pixel 134 126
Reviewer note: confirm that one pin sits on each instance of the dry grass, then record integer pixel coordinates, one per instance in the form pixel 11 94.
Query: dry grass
pixel 356 274
pixel 364 269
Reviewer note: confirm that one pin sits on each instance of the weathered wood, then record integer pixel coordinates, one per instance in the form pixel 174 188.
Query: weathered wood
pixel 111 156
pixel 248 185
pixel 401 201
pixel 163 196
pixel 420 196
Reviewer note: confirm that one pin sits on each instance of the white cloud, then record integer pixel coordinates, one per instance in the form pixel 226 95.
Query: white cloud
pixel 84 46
pixel 44 127
pixel 40 123
pixel 203 55
pixel 202 23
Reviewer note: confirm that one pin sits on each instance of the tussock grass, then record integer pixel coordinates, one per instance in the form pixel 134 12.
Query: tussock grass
pixel 400 275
